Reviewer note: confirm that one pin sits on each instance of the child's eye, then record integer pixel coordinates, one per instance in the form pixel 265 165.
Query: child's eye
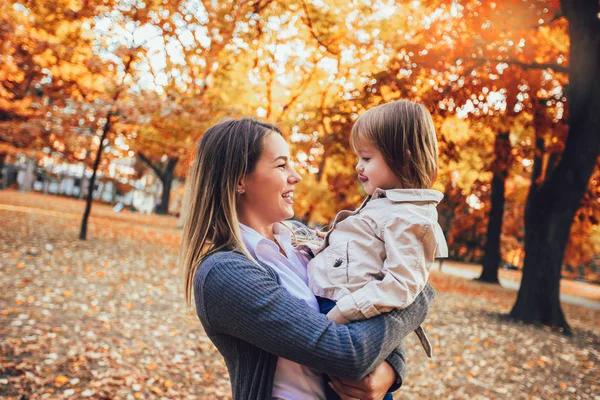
pixel 365 158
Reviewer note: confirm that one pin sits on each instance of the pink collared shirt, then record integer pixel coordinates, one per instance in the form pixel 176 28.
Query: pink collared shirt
pixel 292 381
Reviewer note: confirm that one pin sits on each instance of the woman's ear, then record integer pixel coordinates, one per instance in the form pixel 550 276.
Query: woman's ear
pixel 241 187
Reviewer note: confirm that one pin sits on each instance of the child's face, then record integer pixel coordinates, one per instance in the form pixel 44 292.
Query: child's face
pixel 373 171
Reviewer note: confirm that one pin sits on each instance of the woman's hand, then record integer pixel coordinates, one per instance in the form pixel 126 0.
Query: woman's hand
pixel 372 387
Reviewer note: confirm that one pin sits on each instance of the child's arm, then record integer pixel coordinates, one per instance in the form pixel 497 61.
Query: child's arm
pixel 410 252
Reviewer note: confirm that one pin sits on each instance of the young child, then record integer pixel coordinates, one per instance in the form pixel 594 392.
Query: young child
pixel 378 257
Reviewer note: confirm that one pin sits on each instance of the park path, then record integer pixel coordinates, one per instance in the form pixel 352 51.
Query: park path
pixel 571 291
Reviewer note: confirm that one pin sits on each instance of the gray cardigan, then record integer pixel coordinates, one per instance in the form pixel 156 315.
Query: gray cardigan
pixel 252 320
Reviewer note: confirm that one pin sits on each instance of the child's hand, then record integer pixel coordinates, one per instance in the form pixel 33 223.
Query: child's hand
pixel 336 316
pixel 320 234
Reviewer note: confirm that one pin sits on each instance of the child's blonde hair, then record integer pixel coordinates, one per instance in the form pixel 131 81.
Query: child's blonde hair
pixel 404 133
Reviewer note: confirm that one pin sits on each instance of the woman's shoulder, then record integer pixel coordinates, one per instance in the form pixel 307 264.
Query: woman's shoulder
pixel 222 260
pixel 228 265
pixel 223 257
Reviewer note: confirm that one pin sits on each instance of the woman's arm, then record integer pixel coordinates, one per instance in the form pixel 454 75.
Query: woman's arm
pixel 237 298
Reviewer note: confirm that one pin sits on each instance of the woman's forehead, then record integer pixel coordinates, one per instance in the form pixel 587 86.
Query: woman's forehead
pixel 274 146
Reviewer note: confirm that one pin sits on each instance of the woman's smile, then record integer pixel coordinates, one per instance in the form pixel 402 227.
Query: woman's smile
pixel 288 197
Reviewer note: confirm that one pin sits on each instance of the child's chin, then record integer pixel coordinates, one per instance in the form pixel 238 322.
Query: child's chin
pixel 367 189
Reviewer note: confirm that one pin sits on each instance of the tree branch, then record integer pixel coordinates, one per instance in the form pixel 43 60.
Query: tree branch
pixel 312 31
pixel 148 162
pixel 556 67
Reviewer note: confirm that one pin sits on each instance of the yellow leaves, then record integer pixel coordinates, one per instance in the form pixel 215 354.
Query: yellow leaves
pixel 74 5
pixel 45 59
pixel 68 293
pixel 527 365
pixel 61 380
pixel 157 390
pixel 455 129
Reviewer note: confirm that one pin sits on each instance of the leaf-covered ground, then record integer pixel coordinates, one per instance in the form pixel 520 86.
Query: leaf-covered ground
pixel 105 318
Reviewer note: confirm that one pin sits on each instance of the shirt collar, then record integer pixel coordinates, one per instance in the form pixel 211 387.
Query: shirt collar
pixel 409 195
pixel 253 239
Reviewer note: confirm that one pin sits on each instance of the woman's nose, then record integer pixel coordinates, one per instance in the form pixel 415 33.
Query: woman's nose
pixel 294 177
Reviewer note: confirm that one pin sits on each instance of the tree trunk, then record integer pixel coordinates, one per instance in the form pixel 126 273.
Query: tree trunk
pixel 105 130
pixel 3 174
pixel 491 258
pixel 90 193
pixel 549 219
pixel 167 181
pixel 166 176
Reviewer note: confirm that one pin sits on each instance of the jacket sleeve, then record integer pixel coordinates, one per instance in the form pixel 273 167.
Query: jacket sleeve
pixel 237 298
pixel 410 252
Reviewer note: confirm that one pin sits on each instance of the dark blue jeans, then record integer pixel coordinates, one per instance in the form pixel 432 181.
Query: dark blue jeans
pixel 325 305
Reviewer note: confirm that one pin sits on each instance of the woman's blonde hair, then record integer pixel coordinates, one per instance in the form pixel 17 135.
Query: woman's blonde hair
pixel 404 133
pixel 227 153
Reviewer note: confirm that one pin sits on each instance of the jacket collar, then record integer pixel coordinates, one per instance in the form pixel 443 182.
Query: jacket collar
pixel 408 195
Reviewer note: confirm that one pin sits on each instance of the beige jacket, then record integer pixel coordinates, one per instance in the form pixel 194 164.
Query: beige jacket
pixel 378 257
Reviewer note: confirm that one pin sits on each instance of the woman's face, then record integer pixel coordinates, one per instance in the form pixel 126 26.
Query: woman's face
pixel 268 192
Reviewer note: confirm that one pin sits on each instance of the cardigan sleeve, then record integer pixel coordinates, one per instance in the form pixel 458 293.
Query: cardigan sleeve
pixel 238 298
pixel 397 360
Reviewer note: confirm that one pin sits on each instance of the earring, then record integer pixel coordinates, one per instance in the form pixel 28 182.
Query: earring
pixel 239 191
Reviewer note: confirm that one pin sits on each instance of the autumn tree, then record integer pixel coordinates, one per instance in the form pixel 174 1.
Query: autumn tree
pixel 555 202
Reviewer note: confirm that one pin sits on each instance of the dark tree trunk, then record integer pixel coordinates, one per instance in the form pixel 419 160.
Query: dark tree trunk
pixel 553 207
pixel 90 194
pixel 166 176
pixel 105 130
pixel 491 258
pixel 167 181
pixel 3 178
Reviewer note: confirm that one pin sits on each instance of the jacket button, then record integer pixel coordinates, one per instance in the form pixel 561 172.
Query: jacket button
pixel 338 262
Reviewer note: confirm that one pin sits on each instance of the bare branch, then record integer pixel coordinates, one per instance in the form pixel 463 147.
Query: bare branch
pixel 556 67
pixel 312 31
pixel 150 164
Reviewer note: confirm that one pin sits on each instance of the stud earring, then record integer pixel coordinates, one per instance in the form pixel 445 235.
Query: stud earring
pixel 240 191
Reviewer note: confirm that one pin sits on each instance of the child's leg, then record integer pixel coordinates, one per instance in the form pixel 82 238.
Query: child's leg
pixel 325 305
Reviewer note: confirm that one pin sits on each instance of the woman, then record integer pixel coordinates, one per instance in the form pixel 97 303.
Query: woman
pixel 249 284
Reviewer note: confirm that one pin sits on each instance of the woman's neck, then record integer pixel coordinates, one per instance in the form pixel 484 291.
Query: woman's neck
pixel 265 230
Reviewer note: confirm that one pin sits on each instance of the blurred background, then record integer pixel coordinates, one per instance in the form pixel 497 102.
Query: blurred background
pixel 102 104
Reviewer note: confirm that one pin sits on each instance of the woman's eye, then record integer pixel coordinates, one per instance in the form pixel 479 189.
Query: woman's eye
pixel 281 166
